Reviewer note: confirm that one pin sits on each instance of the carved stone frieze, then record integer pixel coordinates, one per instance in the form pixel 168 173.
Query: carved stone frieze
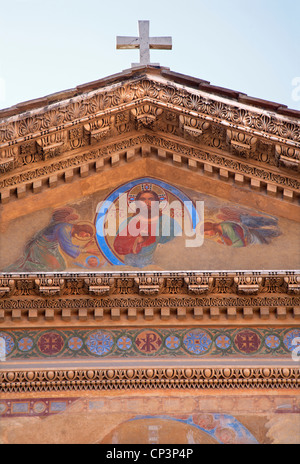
pixel 194 283
pixel 185 378
pixel 245 170
pixel 203 296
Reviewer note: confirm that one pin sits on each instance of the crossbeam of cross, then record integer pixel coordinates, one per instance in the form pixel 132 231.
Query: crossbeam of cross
pixel 144 43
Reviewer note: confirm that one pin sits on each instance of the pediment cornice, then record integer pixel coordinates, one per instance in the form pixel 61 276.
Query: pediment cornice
pixel 165 114
pixel 141 298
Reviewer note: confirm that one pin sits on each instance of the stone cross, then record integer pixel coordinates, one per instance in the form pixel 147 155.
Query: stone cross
pixel 144 43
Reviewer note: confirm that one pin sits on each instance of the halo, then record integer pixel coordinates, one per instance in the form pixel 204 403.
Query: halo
pixel 147 187
pixel 92 256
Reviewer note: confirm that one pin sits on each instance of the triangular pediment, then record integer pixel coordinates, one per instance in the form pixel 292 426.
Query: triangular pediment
pixel 215 145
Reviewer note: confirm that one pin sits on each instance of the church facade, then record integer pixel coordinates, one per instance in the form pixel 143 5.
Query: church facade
pixel 123 325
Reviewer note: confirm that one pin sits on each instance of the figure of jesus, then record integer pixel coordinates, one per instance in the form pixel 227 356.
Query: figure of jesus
pixel 139 237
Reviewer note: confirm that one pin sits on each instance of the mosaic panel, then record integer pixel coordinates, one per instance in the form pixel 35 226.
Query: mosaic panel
pixel 34 407
pixel 171 342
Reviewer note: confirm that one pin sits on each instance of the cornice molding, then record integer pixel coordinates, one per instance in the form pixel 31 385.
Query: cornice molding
pixel 206 162
pixel 90 121
pixel 235 297
pixel 229 378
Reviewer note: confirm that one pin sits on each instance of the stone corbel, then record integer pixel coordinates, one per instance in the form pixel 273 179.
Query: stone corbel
pixel 28 149
pixel 248 285
pixel 146 114
pixel 287 157
pixel 242 144
pixel 7 287
pixel 99 286
pixel 51 145
pixel 292 285
pixel 199 285
pixel 49 287
pixel 149 285
pixel 192 126
pixel 99 129
pixel 7 159
pixel 78 137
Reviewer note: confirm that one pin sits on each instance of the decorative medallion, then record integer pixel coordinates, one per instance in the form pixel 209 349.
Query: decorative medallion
pixel 39 407
pixel 25 344
pixel 148 342
pixel 223 342
pixel 75 343
pixel 100 343
pixel 124 343
pixel 172 342
pixel 272 342
pixel 247 341
pixel 197 341
pixel 50 343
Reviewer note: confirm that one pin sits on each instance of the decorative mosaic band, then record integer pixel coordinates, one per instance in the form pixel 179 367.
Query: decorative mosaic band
pixel 162 343
pixel 34 407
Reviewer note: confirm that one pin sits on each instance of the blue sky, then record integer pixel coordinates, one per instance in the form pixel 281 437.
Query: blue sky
pixel 248 45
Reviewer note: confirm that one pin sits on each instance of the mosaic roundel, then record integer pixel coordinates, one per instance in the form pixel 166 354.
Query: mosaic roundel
pixel 223 342
pixel 9 343
pixel 124 343
pixel 148 342
pixel 3 408
pixel 100 343
pixel 39 407
pixel 272 342
pixel 25 344
pixel 247 341
pixel 197 341
pixel 172 342
pixel 50 343
pixel 289 339
pixel 75 343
